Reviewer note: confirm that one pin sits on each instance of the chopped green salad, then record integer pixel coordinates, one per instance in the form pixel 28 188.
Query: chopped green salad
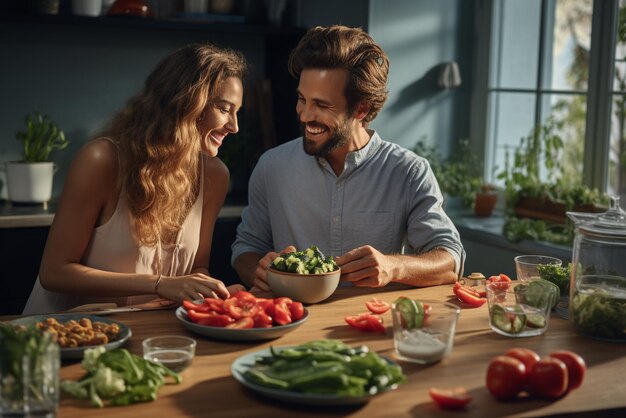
pixel 309 261
pixel 325 367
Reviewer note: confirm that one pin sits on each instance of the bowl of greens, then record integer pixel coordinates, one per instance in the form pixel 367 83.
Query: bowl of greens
pixel 306 276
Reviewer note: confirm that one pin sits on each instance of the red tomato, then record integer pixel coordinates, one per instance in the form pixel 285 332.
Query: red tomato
pixel 215 305
pixel 262 320
pixel 198 307
pixel 282 315
pixel 502 281
pixel 244 322
pixel 377 306
pixel 548 378
pixel 506 377
pixel 456 398
pixel 296 309
pixel 210 319
pixel 468 297
pixel 526 356
pixel 241 307
pixel 366 322
pixel 576 367
pixel 242 294
pixel 267 305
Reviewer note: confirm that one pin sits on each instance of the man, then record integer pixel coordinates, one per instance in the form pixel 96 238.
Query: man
pixel 340 186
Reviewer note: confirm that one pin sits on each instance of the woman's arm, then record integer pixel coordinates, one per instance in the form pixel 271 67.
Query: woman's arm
pixel 89 199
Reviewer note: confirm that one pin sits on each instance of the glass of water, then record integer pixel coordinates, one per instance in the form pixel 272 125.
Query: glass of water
pixel 172 351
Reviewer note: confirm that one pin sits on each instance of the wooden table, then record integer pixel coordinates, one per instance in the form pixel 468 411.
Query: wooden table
pixel 208 389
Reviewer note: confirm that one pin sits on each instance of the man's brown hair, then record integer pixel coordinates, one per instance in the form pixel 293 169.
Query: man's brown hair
pixel 351 49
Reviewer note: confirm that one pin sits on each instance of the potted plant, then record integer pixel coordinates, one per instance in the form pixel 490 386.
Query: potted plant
pixel 536 197
pixel 30 180
pixel 461 176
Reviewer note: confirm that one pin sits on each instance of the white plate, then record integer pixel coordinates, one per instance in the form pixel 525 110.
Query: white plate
pixel 239 334
pixel 247 361
pixel 77 352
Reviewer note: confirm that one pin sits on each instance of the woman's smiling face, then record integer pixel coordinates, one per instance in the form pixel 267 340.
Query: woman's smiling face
pixel 219 117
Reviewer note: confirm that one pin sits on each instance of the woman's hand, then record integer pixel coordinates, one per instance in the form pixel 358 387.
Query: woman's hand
pixel 192 286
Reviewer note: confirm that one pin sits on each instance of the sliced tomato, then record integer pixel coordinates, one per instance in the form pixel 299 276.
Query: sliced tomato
pixel 241 307
pixel 502 281
pixel 282 314
pixel 267 305
pixel 366 322
pixel 210 319
pixel 377 306
pixel 242 294
pixel 244 322
pixel 468 289
pixel 262 320
pixel 215 305
pixel 455 399
pixel 198 307
pixel 467 297
pixel 296 309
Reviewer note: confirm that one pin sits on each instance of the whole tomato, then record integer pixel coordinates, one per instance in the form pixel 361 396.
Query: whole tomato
pixel 576 367
pixel 526 356
pixel 506 377
pixel 548 378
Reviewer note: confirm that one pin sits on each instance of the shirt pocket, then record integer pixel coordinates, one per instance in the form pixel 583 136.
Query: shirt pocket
pixel 373 228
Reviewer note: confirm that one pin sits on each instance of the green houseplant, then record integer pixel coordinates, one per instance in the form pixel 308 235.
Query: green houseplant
pixel 30 179
pixel 460 175
pixel 538 195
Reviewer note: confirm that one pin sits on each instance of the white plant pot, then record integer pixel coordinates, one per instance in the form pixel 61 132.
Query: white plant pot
pixel 29 182
pixel 87 7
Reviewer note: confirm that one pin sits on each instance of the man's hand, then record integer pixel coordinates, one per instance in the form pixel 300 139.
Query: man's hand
pixel 260 274
pixel 366 267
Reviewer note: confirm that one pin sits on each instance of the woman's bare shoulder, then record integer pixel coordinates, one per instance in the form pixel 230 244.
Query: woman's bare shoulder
pixel 96 163
pixel 215 170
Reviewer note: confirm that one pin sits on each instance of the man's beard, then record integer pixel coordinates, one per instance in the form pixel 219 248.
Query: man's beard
pixel 339 138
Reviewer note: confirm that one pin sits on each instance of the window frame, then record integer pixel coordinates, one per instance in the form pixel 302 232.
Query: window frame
pixel 599 88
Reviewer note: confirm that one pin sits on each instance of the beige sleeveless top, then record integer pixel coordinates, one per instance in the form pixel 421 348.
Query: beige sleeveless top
pixel 113 248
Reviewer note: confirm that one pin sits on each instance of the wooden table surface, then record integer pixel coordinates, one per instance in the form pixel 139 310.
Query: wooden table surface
pixel 208 389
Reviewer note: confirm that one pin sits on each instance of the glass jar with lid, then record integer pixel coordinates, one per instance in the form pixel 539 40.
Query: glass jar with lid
pixel 598 277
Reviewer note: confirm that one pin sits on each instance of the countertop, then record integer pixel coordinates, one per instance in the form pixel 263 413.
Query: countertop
pixel 208 387
pixel 14 215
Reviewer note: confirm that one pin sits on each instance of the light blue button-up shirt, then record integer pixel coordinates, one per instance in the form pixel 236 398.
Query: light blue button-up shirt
pixel 386 197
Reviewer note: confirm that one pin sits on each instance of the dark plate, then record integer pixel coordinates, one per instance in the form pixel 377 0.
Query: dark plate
pixel 234 334
pixel 247 361
pixel 77 353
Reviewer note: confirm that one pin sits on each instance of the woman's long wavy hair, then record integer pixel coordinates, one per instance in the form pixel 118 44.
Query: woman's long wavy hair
pixel 159 141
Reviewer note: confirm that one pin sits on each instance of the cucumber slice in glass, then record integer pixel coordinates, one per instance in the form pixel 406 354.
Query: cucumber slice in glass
pixel 509 320
pixel 412 312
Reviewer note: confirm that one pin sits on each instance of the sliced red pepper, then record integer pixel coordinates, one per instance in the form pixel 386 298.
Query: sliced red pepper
pixel 468 297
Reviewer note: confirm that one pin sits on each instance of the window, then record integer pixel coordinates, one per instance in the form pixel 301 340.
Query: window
pixel 550 63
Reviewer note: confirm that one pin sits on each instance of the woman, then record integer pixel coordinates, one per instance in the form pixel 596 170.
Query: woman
pixel 136 216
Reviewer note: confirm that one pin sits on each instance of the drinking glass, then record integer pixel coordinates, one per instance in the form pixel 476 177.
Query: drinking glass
pixel 526 266
pixel 519 309
pixel 29 373
pixel 424 334
pixel 172 351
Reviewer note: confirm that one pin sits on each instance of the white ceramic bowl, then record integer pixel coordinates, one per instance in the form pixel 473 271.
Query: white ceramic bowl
pixel 305 288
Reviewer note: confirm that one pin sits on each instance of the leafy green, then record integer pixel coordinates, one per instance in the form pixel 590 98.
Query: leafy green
pixel 20 346
pixel 309 261
pixel 119 376
pixel 558 275
pixel 599 314
pixel 41 137
pixel 325 367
